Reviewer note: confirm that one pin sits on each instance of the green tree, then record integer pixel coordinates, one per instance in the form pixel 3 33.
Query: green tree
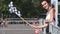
pixel 28 8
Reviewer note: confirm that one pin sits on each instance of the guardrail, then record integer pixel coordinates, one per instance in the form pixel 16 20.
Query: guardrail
pixel 55 29
pixel 18 20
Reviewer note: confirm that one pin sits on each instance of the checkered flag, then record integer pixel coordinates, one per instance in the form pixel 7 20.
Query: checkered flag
pixel 13 9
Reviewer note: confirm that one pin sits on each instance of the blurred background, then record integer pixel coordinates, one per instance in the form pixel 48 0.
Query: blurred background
pixel 30 10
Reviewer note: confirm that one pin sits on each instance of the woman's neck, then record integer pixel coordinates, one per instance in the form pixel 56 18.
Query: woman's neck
pixel 49 8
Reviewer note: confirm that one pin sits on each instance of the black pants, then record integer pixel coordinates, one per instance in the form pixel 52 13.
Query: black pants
pixel 47 30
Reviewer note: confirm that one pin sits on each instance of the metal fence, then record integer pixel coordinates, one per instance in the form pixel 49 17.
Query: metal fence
pixel 18 28
pixel 22 29
pixel 55 29
pixel 18 20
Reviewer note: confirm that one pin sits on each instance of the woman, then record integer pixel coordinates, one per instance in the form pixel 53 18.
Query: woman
pixel 49 16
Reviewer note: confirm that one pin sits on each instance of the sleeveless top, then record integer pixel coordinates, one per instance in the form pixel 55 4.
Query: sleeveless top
pixel 48 17
pixel 49 27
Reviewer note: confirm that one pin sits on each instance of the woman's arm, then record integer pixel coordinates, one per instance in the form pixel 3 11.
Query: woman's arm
pixel 52 15
pixel 40 26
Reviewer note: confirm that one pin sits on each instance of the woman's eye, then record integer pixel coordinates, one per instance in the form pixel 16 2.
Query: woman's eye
pixel 45 4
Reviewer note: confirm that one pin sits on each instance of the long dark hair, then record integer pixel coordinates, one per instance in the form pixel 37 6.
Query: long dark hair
pixel 48 1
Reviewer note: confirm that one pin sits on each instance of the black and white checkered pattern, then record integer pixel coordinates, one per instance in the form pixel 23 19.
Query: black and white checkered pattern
pixel 13 9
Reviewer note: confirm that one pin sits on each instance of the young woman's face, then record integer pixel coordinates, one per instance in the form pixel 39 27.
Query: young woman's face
pixel 45 5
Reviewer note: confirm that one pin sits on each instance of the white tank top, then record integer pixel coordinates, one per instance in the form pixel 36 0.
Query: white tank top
pixel 48 17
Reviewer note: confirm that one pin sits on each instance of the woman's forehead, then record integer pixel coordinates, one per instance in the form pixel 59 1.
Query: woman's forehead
pixel 43 2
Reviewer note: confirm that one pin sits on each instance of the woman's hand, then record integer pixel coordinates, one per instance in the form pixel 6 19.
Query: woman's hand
pixel 37 30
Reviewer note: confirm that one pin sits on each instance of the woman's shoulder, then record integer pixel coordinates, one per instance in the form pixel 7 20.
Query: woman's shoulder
pixel 52 10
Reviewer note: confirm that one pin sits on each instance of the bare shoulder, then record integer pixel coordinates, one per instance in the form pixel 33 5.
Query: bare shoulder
pixel 52 10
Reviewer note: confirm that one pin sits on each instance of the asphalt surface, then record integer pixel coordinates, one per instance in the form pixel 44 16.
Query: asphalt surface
pixel 17 29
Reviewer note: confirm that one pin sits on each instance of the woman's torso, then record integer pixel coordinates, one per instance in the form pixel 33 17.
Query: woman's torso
pixel 48 17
